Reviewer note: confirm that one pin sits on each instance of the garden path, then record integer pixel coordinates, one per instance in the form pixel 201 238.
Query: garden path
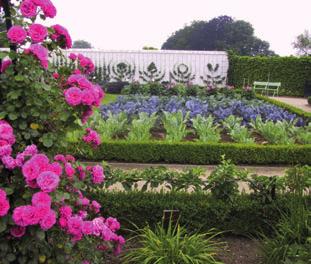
pixel 301 103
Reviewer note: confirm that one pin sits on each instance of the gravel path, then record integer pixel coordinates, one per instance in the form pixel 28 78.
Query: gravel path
pixel 301 103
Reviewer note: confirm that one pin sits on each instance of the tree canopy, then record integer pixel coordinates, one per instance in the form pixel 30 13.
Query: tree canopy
pixel 303 44
pixel 81 44
pixel 221 33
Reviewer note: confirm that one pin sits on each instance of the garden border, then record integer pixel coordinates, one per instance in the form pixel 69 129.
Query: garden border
pixel 196 153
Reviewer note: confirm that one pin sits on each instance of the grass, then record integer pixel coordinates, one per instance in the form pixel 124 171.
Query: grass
pixel 110 98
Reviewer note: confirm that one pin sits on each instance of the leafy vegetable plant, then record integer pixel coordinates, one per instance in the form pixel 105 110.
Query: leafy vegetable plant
pixel 140 128
pixel 175 125
pixel 206 129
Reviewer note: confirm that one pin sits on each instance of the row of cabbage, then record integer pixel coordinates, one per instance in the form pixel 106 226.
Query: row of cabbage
pixel 136 125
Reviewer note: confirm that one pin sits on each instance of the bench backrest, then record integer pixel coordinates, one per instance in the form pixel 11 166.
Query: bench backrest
pixel 268 84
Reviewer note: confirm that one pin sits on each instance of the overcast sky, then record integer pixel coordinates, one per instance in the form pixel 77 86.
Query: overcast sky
pixel 132 24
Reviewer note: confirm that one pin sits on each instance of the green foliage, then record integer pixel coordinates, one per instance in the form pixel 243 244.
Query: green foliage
pixel 274 132
pixel 151 73
pixel 182 73
pixel 212 78
pixel 38 114
pixel 231 122
pixel 175 126
pixel 223 181
pixel 102 74
pixel 172 244
pixel 309 100
pixel 206 129
pixel 241 134
pixel 195 152
pixel 109 128
pixel 140 128
pixel 292 72
pixel 151 179
pixel 292 240
pixel 220 33
pixel 303 134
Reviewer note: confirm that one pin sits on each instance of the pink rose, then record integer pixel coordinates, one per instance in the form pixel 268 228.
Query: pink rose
pixel 75 225
pixel 69 170
pixel 25 215
pixel 4 204
pixel 72 56
pixel 37 33
pixel 9 162
pixel 41 53
pixel 61 35
pixel 87 97
pixel 73 96
pixel 28 9
pixel 6 63
pixel 17 35
pixel 87 227
pixel 41 199
pixel 56 75
pixel 48 221
pixel 48 181
pixel 17 231
pixel 65 211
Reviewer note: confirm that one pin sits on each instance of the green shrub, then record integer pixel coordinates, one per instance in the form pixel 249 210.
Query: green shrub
pixel 292 72
pixel 309 100
pixel 198 211
pixel 172 244
pixel 194 152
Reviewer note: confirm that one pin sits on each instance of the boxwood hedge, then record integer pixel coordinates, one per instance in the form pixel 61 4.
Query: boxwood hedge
pixel 198 211
pixel 195 153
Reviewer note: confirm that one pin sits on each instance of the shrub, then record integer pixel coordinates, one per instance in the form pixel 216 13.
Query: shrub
pixel 194 152
pixel 44 214
pixel 309 100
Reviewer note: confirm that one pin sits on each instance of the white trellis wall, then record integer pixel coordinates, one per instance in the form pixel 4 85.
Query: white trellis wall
pixel 165 60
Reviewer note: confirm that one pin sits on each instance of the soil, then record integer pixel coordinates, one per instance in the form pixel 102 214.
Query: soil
pixel 238 250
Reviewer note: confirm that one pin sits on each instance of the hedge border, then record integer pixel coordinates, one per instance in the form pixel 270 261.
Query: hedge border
pixel 244 216
pixel 290 108
pixel 196 153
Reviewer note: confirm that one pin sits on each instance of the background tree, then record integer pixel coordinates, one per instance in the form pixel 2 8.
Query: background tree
pixel 303 44
pixel 221 33
pixel 81 44
pixel 149 48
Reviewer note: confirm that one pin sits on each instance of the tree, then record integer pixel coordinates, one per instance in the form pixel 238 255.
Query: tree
pixel 221 33
pixel 81 44
pixel 149 48
pixel 303 44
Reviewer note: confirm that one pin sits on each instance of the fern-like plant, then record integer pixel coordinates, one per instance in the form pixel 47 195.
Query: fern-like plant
pixel 241 134
pixel 206 129
pixel 231 121
pixel 151 74
pixel 175 125
pixel 140 128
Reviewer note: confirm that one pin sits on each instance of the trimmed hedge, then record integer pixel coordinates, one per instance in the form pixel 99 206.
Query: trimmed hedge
pixel 290 108
pixel 292 72
pixel 196 153
pixel 199 211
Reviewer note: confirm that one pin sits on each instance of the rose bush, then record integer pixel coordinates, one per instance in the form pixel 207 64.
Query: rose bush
pixel 45 216
pixel 32 91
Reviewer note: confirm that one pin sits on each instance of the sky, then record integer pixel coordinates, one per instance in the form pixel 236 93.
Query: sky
pixel 132 24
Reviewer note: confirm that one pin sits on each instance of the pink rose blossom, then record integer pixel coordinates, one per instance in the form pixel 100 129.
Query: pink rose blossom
pixel 113 224
pixel 98 174
pixel 9 162
pixel 17 35
pixel 69 170
pixel 61 35
pixel 5 150
pixel 4 203
pixel 41 53
pixel 86 115
pixel 65 211
pixel 73 96
pixel 25 215
pixel 31 150
pixel 48 221
pixel 48 181
pixel 95 206
pixel 18 231
pixel 56 168
pixel 37 33
pixel 56 75
pixel 28 9
pixel 87 98
pixel 87 227
pixel 6 63
pixel 41 199
pixel 60 157
pixel 91 137
pixel 72 56
pixel 75 225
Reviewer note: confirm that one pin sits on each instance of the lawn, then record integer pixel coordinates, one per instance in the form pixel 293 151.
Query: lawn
pixel 109 98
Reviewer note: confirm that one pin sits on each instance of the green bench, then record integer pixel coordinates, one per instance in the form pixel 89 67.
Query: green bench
pixel 266 87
